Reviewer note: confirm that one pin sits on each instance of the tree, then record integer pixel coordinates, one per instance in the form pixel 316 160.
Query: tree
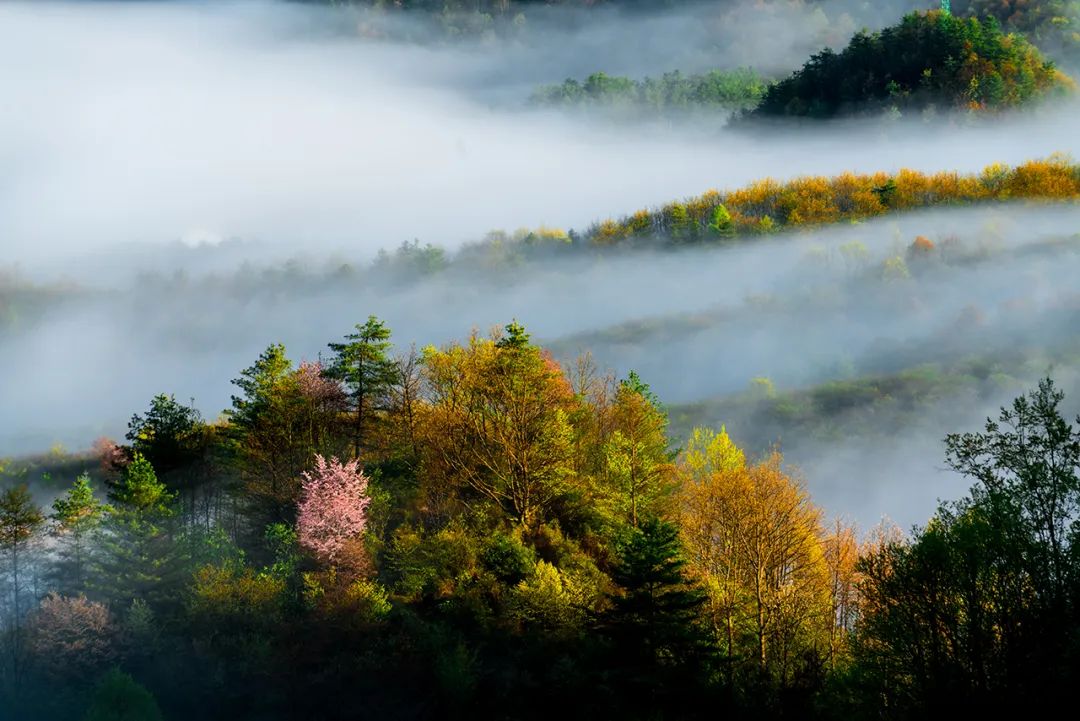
pixel 137 552
pixel 75 517
pixel 71 638
pixel 367 371
pixel 714 505
pixel 333 506
pixel 118 697
pixel 20 518
pixel 652 628
pixel 169 435
pixel 1028 460
pixel 283 418
pixel 722 225
pixel 639 468
pixel 754 539
pixel 405 400
pixel 497 428
pixel 978 610
pixel 784 559
pixel 841 549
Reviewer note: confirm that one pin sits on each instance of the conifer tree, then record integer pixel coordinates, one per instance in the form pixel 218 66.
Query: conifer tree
pixel 137 553
pixel 362 363
pixel 75 517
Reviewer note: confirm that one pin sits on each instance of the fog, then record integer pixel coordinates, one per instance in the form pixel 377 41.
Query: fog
pixel 145 122
pixel 695 324
pixel 164 156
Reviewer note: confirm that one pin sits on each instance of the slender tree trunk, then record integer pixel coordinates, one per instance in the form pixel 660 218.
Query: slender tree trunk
pixel 760 622
pixel 16 624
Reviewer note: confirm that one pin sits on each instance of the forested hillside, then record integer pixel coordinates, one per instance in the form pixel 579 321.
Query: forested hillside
pixel 476 529
pixel 509 359
pixel 931 60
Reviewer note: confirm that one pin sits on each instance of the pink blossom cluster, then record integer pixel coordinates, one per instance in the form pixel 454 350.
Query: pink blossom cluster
pixel 333 506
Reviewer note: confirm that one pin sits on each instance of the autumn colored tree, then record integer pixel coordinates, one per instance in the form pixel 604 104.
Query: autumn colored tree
pixel 405 405
pixel 755 539
pixel 714 504
pixel 785 564
pixel 75 518
pixel 497 427
pixel 841 551
pixel 639 474
pixel 110 456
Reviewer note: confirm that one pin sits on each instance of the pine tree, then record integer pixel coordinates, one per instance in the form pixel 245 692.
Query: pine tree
pixel 20 518
pixel 137 551
pixel 169 435
pixel 363 365
pixel 75 516
pixel 657 653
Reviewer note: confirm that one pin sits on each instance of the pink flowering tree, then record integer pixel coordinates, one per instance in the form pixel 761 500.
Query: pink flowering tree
pixel 315 386
pixel 333 506
pixel 72 637
pixel 110 456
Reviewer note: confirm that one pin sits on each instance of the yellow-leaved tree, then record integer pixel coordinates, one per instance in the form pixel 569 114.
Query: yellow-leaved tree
pixel 755 540
pixel 497 425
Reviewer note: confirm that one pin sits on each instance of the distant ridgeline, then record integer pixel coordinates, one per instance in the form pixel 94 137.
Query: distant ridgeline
pixel 930 59
pixel 673 93
pixel 767 205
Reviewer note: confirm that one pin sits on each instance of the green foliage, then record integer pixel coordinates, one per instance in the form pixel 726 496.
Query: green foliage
pixel 368 600
pixel 993 571
pixel 20 519
pixel 362 363
pixel 283 418
pixel 655 642
pixel 671 95
pixel 169 435
pixel 76 516
pixel 510 560
pixel 721 224
pixel 550 600
pixel 138 555
pixel 928 59
pixel 118 697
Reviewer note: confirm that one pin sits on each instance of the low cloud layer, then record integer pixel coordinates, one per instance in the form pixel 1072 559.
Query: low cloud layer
pixel 146 122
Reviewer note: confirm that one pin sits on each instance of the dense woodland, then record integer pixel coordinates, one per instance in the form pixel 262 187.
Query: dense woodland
pixel 926 61
pixel 476 529
pixel 499 528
